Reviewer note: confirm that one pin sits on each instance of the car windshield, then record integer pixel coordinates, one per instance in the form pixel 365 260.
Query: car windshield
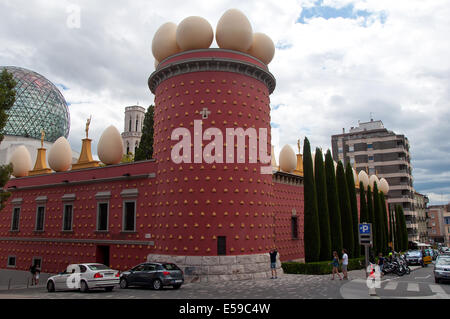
pixel 98 267
pixel 414 253
pixel 170 267
pixel 443 261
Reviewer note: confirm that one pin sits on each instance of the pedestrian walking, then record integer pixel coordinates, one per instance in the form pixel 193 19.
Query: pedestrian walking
pixel 33 271
pixel 344 263
pixel 335 264
pixel 38 272
pixel 273 262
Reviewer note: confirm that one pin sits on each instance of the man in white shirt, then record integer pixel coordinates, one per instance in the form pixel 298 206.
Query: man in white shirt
pixel 344 263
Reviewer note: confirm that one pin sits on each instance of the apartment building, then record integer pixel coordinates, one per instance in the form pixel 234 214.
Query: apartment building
pixel 439 224
pixel 377 150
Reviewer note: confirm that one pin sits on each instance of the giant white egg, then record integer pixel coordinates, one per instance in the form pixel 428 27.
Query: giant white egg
pixel 110 146
pixel 262 47
pixel 384 186
pixel 287 159
pixel 60 155
pixel 21 161
pixel 194 33
pixel 164 42
pixel 234 31
pixel 372 180
pixel 364 178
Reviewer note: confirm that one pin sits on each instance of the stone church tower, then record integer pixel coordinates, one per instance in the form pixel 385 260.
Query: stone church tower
pixel 133 124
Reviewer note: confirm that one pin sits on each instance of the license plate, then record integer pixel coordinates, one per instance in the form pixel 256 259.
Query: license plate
pixel 178 281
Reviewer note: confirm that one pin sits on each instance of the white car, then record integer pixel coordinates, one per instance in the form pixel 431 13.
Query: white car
pixel 84 277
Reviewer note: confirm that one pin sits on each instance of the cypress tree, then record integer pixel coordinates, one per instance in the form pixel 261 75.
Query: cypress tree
pixel 371 216
pixel 363 212
pixel 398 227
pixel 322 204
pixel 333 205
pixel 384 213
pixel 354 208
pixel 311 216
pixel 346 211
pixel 378 227
pixel 145 149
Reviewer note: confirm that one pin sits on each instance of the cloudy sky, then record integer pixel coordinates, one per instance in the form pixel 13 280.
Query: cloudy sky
pixel 337 62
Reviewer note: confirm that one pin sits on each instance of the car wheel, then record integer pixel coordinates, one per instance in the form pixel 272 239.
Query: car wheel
pixel 50 286
pixel 109 289
pixel 157 284
pixel 83 286
pixel 123 283
pixel 176 286
pixel 436 280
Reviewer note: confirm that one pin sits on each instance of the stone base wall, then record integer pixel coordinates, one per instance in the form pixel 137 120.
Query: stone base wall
pixel 221 268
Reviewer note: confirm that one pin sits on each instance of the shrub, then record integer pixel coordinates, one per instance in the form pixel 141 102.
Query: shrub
pixel 318 268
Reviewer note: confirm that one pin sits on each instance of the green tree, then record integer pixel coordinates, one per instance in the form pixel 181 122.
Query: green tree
pixel 378 227
pixel 384 213
pixel 346 211
pixel 363 212
pixel 333 204
pixel 371 215
pixel 398 235
pixel 322 204
pixel 354 208
pixel 311 216
pixel 145 149
pixel 7 99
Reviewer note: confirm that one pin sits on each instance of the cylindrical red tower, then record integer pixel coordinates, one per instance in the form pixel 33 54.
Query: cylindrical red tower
pixel 214 218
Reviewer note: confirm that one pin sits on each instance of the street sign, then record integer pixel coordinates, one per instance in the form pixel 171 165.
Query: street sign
pixel 365 234
pixel 365 228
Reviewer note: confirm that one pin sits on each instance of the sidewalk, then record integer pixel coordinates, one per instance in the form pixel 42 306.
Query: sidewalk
pixel 14 279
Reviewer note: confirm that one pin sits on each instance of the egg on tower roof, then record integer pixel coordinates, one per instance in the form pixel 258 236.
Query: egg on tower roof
pixel 194 33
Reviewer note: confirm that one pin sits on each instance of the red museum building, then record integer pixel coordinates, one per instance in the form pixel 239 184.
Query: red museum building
pixel 215 220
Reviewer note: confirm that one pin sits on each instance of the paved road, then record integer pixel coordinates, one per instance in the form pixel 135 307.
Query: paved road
pixel 419 284
pixel 285 287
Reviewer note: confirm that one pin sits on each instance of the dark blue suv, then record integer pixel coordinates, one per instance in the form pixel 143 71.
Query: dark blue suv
pixel 155 275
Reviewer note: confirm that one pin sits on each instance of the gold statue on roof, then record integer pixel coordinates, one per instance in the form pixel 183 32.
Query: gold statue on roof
pixel 88 122
pixel 298 145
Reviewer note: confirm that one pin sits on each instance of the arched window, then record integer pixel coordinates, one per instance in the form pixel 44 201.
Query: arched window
pixel 128 147
pixel 129 125
pixel 137 123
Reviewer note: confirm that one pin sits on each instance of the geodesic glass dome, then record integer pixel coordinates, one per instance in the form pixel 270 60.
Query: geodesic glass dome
pixel 39 105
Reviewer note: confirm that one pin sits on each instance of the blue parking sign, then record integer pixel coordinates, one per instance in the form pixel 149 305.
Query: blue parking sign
pixel 364 229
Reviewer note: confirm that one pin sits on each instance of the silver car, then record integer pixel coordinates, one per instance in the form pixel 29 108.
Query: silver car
pixel 442 268
pixel 84 277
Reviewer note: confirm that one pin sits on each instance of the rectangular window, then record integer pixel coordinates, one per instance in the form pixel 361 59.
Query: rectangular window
pixel 370 158
pixel 221 245
pixel 351 148
pixel 40 215
pixel 102 218
pixel 68 216
pixel 15 219
pixel 369 146
pixel 11 261
pixel 294 227
pixel 352 161
pixel 371 170
pixel 129 218
pixel 340 149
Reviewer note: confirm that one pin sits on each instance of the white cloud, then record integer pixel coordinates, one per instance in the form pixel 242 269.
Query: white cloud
pixel 330 74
